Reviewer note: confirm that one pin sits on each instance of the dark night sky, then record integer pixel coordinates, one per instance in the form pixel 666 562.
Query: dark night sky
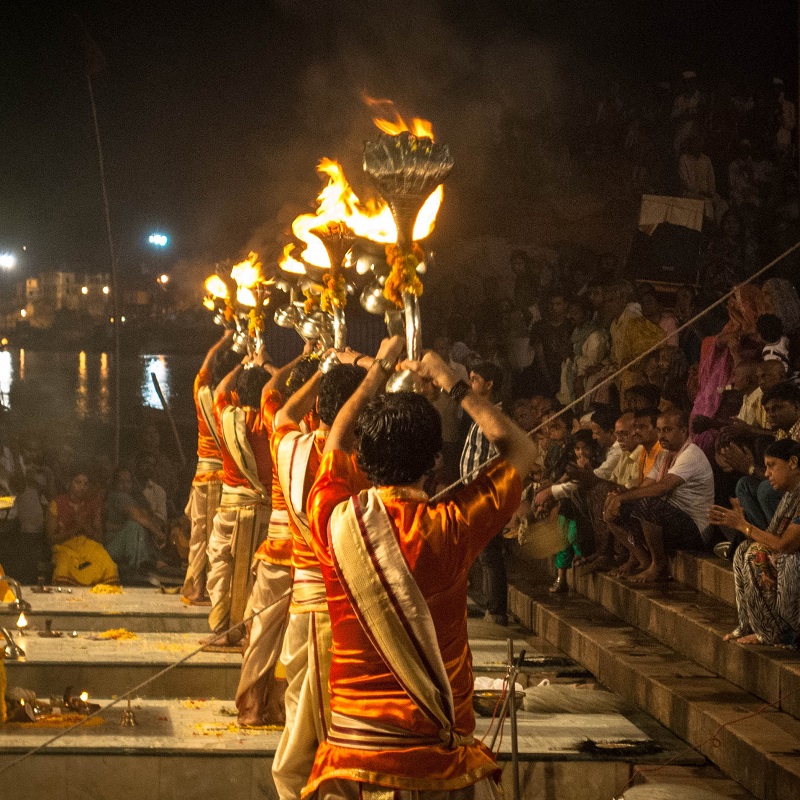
pixel 213 115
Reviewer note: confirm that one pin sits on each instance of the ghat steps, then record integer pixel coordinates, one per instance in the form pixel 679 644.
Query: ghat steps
pixel 662 650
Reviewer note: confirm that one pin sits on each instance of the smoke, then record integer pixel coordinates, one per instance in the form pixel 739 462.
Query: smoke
pixel 488 97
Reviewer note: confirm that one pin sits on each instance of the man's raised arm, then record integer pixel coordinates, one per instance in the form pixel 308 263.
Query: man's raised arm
pixel 512 443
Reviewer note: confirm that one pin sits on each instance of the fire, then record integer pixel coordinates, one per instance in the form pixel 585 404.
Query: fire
pixel 216 287
pixel 245 297
pixel 289 263
pixel 418 127
pixel 208 302
pixel 338 203
pixel 248 272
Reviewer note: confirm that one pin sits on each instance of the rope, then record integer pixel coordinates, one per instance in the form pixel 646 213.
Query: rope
pixel 614 375
pixel 126 694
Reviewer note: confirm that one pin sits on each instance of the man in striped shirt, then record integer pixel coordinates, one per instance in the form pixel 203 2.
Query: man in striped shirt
pixel 486 379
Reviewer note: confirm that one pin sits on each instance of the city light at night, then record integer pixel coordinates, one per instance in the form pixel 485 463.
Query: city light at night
pixel 158 239
pixel 8 260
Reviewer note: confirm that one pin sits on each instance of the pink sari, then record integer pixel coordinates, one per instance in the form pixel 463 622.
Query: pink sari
pixel 719 355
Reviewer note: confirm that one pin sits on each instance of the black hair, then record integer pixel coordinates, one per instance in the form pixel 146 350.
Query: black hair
pixel 584 304
pixel 783 391
pixel 769 327
pixel 677 395
pixel 565 415
pixel 650 413
pixel 783 449
pixel 648 392
pixel 249 385
pixel 681 416
pixel 489 371
pixel 221 363
pixel 606 417
pixel 303 370
pixel 335 389
pixel 399 436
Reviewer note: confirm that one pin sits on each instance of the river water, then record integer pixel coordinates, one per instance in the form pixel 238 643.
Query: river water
pixel 69 396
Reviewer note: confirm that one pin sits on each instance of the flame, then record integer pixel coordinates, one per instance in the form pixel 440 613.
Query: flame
pixel 22 620
pixel 208 302
pixel 245 297
pixel 426 218
pixel 338 204
pixel 248 272
pixel 289 263
pixel 418 127
pixel 84 696
pixel 216 287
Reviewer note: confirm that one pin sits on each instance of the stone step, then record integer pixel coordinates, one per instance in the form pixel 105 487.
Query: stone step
pixel 694 624
pixel 706 573
pixel 192 749
pixel 759 748
pixel 111 667
pixel 707 778
pixel 136 608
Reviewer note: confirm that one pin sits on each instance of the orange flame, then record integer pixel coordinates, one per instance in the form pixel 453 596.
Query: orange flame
pixel 248 272
pixel 216 287
pixel 418 127
pixel 289 263
pixel 338 203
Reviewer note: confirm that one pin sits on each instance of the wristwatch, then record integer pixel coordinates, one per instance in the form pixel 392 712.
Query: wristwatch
pixel 458 390
pixel 385 365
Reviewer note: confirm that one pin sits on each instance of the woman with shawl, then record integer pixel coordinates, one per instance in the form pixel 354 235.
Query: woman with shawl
pixel 721 353
pixel 766 566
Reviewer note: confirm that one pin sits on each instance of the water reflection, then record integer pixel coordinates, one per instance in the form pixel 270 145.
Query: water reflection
pixel 6 376
pixel 81 384
pixel 155 366
pixel 82 394
pixel 104 399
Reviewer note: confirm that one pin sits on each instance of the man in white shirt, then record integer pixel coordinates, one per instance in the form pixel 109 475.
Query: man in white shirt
pixel 669 513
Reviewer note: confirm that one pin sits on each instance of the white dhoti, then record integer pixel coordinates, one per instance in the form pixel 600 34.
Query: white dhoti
pixel 204 499
pixel 239 526
pixel 307 661
pixel 272 591
pixel 343 789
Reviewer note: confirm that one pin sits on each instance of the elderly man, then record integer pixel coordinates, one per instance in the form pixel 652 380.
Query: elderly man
pixel 395 569
pixel 670 511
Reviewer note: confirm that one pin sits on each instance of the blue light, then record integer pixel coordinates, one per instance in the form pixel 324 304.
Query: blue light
pixel 158 239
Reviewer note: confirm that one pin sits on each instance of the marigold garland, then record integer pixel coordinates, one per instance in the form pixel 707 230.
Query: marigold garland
pixel 403 277
pixel 334 295
pixel 256 323
pixel 228 313
pixel 312 301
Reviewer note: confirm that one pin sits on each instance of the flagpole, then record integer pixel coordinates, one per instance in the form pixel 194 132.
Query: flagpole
pixel 116 322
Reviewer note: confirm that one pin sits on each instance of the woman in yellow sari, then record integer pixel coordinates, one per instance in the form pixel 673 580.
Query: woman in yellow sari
pixel 74 529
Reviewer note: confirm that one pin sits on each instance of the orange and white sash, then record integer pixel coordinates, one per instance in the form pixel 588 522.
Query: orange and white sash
pixel 392 610
pixel 233 422
pixel 292 456
pixel 205 402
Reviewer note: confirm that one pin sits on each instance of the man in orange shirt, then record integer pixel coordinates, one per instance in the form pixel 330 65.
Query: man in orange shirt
pixel 395 570
pixel 241 521
pixel 306 646
pixel 207 483
pixel 259 696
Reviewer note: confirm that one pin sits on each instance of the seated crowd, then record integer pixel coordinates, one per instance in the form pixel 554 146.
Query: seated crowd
pixel 694 447
pixel 80 522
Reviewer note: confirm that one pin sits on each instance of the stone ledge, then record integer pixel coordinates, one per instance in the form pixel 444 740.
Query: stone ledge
pixel 760 753
pixel 706 573
pixel 694 624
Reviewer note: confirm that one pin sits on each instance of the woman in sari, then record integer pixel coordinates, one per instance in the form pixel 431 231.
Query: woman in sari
pixel 73 527
pixel 721 353
pixel 133 535
pixel 766 566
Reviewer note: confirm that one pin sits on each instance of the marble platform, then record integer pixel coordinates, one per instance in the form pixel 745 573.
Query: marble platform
pixel 190 748
pixel 137 609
